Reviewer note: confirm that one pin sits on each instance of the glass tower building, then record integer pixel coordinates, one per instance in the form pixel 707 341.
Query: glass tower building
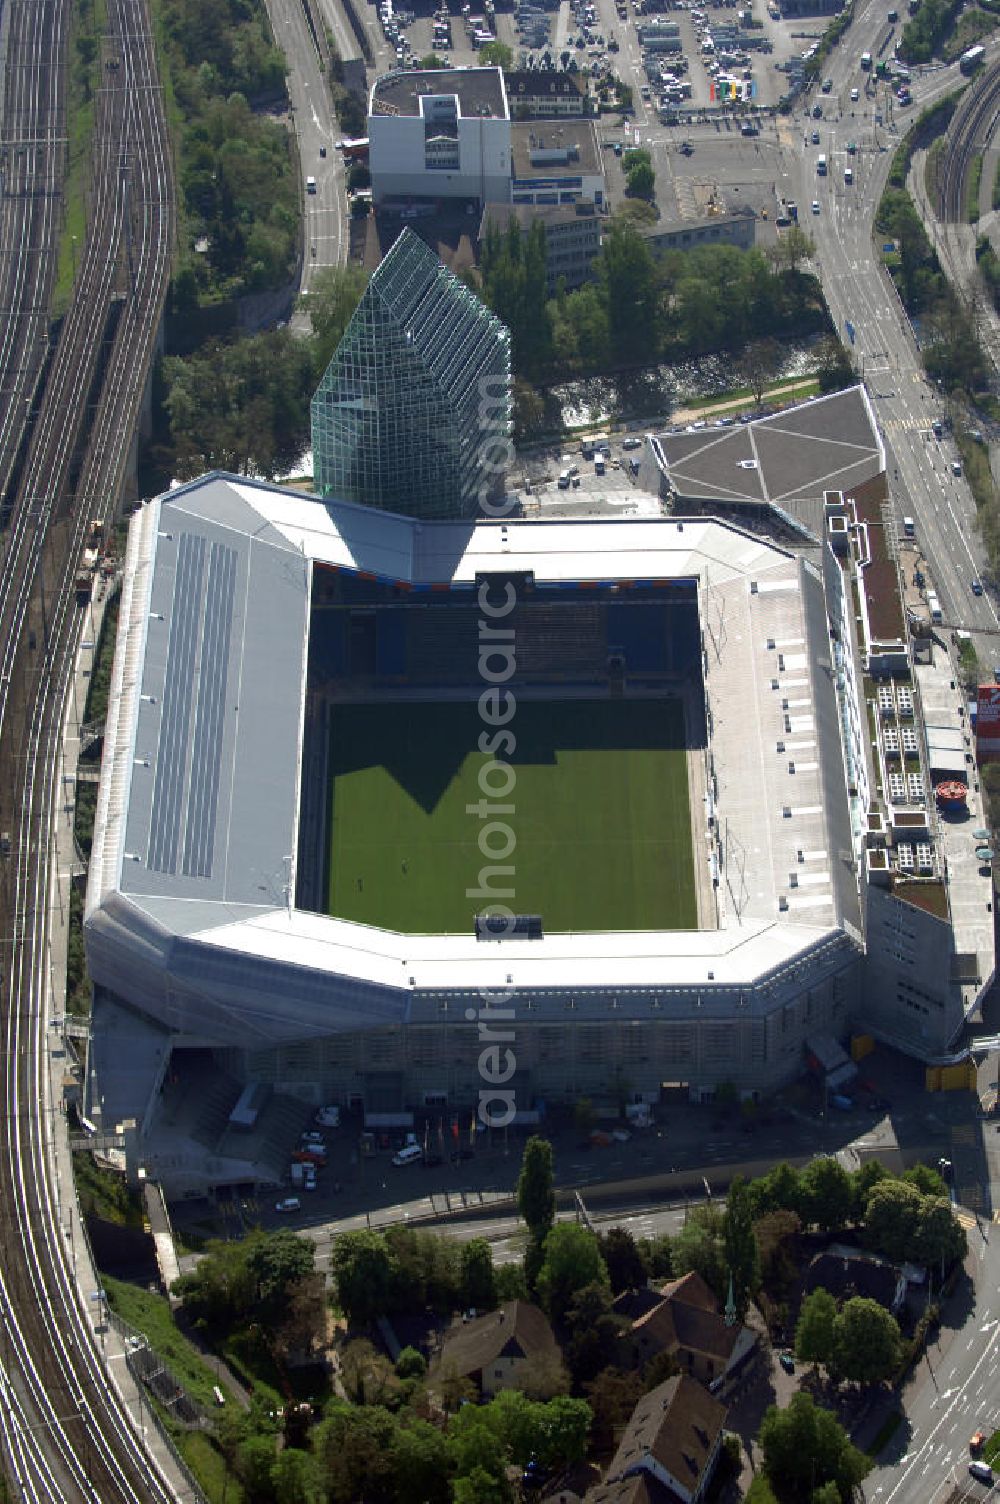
pixel 413 414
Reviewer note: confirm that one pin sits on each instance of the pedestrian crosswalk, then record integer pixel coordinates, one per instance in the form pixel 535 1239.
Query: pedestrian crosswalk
pixel 967 1219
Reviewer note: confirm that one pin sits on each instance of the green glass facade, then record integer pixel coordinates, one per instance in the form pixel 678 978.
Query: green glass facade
pixel 414 413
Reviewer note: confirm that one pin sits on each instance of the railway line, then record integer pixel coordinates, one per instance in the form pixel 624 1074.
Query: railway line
pixel 971 129
pixel 66 1431
pixel 31 165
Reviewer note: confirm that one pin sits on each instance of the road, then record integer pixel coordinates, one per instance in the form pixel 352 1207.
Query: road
pixel 860 292
pixel 324 229
pixel 955 1394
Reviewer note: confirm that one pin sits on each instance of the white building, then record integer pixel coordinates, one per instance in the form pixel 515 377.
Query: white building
pixel 440 133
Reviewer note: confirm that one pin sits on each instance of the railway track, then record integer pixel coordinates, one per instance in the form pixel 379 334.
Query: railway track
pixel 971 129
pixel 32 153
pixel 66 1430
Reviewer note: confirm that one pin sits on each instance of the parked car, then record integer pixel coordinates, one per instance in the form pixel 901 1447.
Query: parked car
pixel 631 443
pixel 311 1137
pixel 288 1204
pixel 328 1117
pixel 982 1472
pixel 787 1362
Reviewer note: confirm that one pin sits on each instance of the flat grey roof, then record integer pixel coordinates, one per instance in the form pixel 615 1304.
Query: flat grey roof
pixel 576 136
pixel 479 91
pixel 551 215
pixel 828 444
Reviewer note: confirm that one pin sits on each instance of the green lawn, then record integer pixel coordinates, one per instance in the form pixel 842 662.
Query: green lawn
pixel 600 818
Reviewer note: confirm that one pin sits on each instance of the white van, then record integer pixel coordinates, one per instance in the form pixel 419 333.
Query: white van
pixel 408 1156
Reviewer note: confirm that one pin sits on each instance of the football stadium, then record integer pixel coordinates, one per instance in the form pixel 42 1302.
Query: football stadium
pixel 366 778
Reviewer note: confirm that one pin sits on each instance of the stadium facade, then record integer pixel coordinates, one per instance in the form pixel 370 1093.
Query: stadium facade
pixel 200 915
pixel 254 619
pixel 418 387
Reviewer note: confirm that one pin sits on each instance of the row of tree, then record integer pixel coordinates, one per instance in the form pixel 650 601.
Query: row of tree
pixel 642 308
pixel 366 1451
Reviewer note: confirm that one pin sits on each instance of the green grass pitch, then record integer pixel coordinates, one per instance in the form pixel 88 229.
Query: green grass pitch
pixel 601 817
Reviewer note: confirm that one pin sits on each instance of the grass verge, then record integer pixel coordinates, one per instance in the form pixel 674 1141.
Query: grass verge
pixel 973 183
pixel 151 1315
pixel 104 1194
pixel 89 23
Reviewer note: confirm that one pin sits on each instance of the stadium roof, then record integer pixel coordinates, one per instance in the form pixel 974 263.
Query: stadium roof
pixel 198 804
pixel 829 444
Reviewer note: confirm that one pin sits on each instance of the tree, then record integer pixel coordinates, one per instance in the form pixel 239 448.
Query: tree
pixel 700 1246
pixel 368 1376
pixel 863 1181
pixel 354 1447
pixel 814 1330
pixel 779 1190
pixel 536 1200
pixel 626 1265
pixel 511 1283
pixel 804 1447
pixel 363 1268
pixel 834 367
pixel 628 276
pixel 479 1289
pixel 613 1395
pixel 295 1478
pixel 777 1233
pixel 420 1462
pixel 741 1251
pixel 941 1238
pixel 827 1493
pixel 758 366
pixel 301 1325
pixel 892 1216
pixel 481 1487
pixel 793 247
pixel 254 1462
pixel 866 1342
pixel 430 62
pixel 828 1198
pixel 411 1364
pixel 565 1429
pixel 572 1259
pixel 334 294
pixel 276 1262
pixel 496 55
pixel 641 181
pixel 927 1181
pixel 594 1330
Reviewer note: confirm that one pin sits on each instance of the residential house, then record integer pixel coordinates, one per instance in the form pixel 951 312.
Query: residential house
pixel 495 1350
pixel 672 1440
pixel 846 1272
pixel 683 1319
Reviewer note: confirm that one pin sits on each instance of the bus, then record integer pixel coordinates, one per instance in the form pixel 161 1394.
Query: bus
pixel 971 60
